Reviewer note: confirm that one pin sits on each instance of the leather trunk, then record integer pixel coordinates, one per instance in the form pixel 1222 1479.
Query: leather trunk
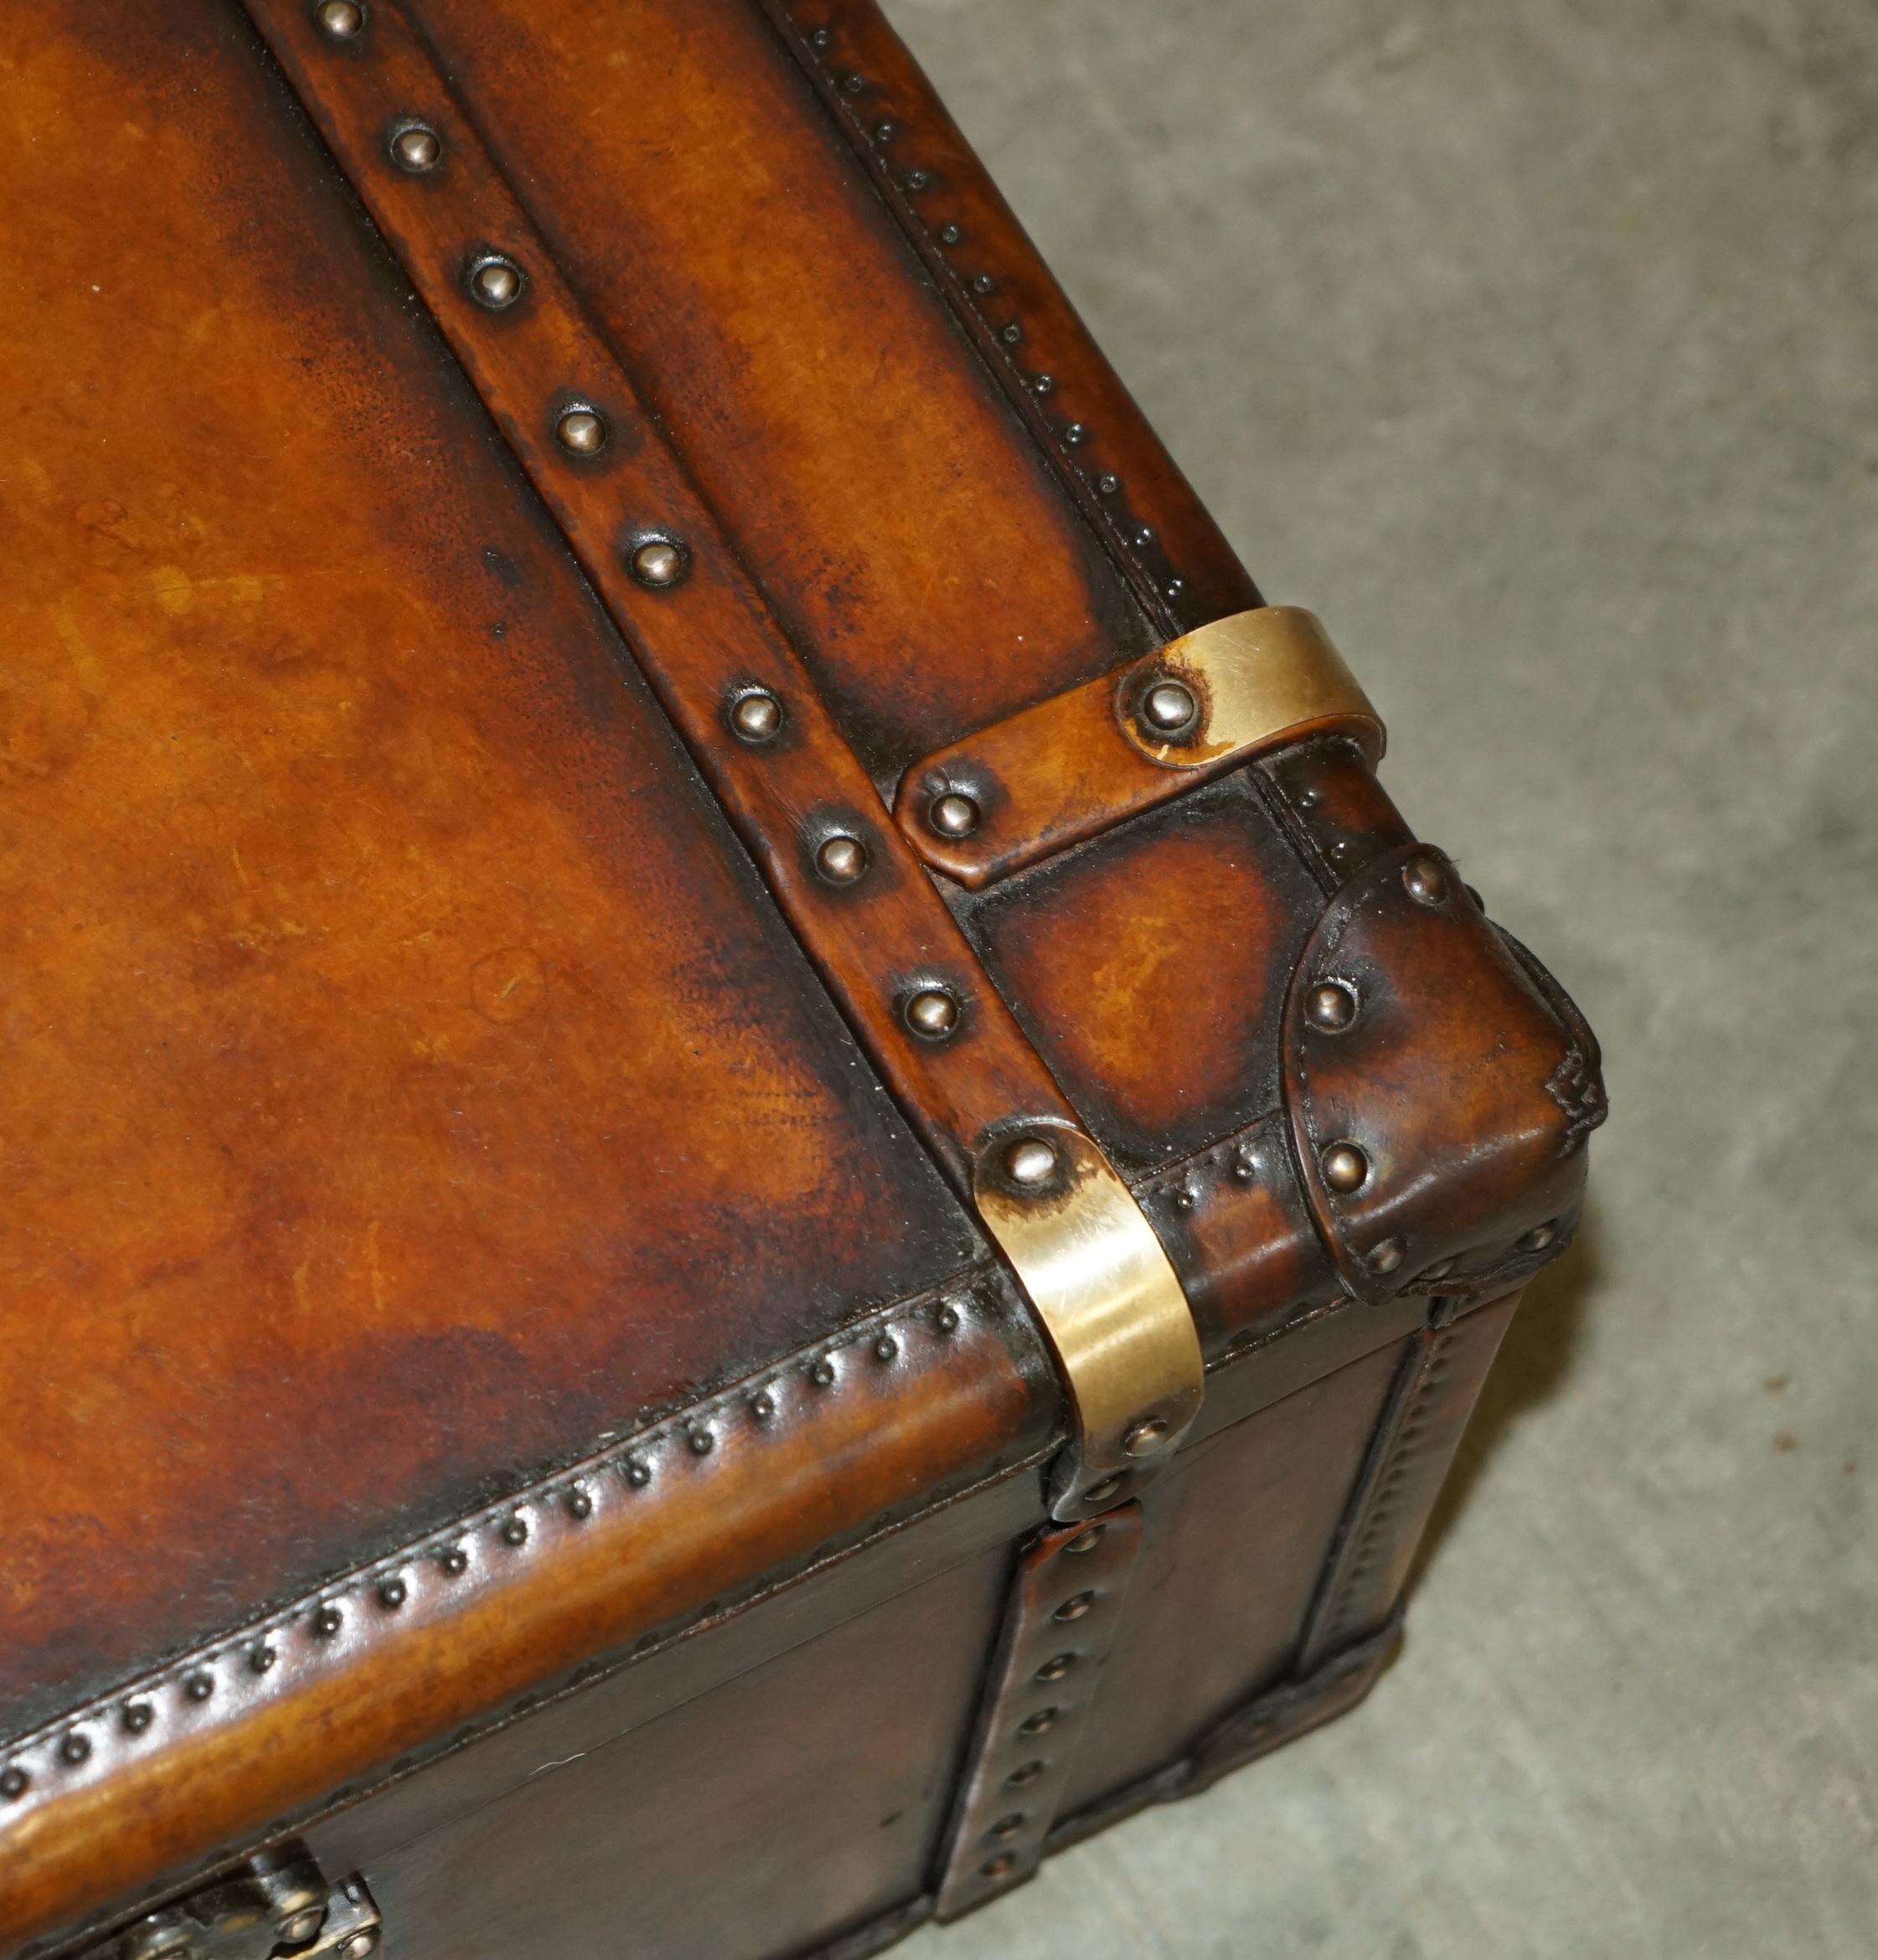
pixel 738 1184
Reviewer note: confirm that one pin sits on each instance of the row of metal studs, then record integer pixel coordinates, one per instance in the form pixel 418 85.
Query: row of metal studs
pixel 974 289
pixel 322 1618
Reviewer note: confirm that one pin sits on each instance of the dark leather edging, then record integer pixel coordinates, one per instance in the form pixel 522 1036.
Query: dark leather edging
pixel 1114 471
pixel 713 1507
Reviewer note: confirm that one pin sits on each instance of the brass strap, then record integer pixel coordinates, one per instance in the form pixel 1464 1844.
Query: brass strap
pixel 880 934
pixel 1055 773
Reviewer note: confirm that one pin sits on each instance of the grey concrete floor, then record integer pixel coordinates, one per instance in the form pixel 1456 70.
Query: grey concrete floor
pixel 1532 343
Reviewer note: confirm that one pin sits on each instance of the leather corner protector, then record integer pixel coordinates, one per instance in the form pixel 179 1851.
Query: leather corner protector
pixel 1439 1085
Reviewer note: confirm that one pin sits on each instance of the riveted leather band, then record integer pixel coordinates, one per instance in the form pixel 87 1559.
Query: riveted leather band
pixel 1067 768
pixel 860 902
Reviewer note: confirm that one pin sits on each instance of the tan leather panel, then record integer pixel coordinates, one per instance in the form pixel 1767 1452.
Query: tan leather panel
pixel 894 510
pixel 406 1079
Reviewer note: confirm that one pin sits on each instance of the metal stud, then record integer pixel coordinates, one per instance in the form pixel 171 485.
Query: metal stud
pixel 841 860
pixel 1168 705
pixel 1006 1827
pixel 1030 1162
pixel 1145 1438
pixel 702 1442
pixel 326 1621
pixel 1074 1609
pixel 1025 1772
pixel 579 1504
pixel 1039 1724
pixel 261 1658
pixel 762 1406
pixel 638 1473
pixel 200 1687
pixel 933 1012
pixel 658 562
pixel 455 1561
pixel 1539 1237
pixel 1000 1867
pixel 1087 1541
pixel 822 1373
pixel 360 1944
pixel 1055 1667
pixel 75 1748
pixel 13 1782
pixel 1345 1168
pixel 340 20
pixel 417 147
pixel 1331 1007
pixel 886 1348
pixel 1386 1256
pixel 496 283
pixel 756 716
pixel 581 432
pixel 514 1531
pixel 946 1319
pixel 1427 882
pixel 299 1927
pixel 138 1716
pixel 954 815
pixel 1101 1494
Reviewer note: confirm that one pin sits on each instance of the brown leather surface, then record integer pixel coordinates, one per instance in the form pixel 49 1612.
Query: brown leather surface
pixel 1149 968
pixel 684 172
pixel 407 1080
pixel 425 1648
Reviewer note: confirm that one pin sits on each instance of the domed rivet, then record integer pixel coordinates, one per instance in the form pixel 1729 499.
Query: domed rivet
pixel 298 1927
pixel 579 1504
pixel 1086 1541
pixel 1074 433
pixel 1439 1271
pixel 950 234
pixel 1168 705
pixel 1025 1772
pixel 1042 383
pixel 326 1621
pixel 1100 1494
pixel 1539 1237
pixel 886 1348
pixel 1345 1168
pixel 1145 1438
pixel 1030 1162
pixel 1386 1256
pixel 1427 882
pixel 260 1657
pixel 638 1473
pixel 1006 1827
pixel 1331 1007
pixel 885 133
pixel 200 1687
pixel 933 1012
pixel 841 860
pixel 360 1944
pixel 1074 1609
pixel 138 1716
pixel 762 1406
pixel 1055 1667
pixel 658 562
pixel 417 147
pixel 514 1531
pixel 496 283
pixel 13 1782
pixel 954 815
pixel 984 283
pixel 455 1561
pixel 340 20
pixel 392 1592
pixel 757 717
pixel 75 1748
pixel 581 432
pixel 946 1319
pixel 1000 1867
pixel 918 180
pixel 702 1442
pixel 1011 335
pixel 1039 1724
pixel 1108 485
pixel 822 1373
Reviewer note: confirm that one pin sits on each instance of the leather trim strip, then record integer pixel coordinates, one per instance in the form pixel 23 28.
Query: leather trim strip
pixel 870 919
pixel 1064 769
pixel 561 1581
